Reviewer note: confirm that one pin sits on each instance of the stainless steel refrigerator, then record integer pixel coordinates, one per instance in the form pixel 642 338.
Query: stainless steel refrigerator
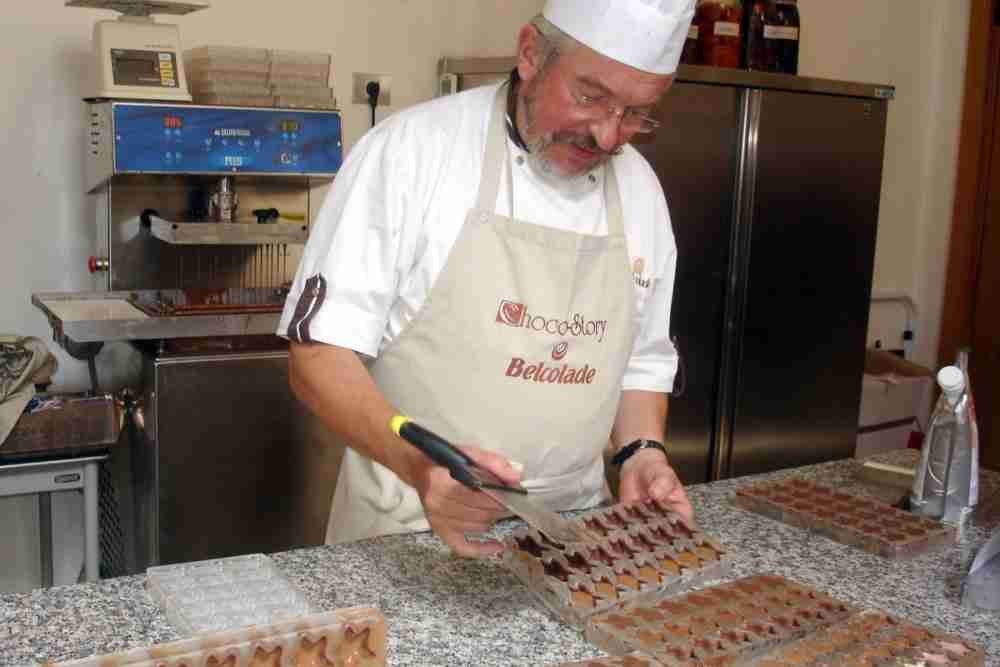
pixel 773 183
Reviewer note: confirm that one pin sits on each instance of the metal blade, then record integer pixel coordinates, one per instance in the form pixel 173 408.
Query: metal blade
pixel 544 521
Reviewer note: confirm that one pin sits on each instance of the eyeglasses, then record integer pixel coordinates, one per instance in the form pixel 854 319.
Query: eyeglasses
pixel 602 108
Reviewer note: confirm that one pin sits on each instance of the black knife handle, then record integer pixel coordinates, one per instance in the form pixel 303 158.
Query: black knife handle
pixel 441 452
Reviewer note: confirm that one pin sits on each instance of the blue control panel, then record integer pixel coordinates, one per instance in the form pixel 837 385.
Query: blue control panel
pixel 196 139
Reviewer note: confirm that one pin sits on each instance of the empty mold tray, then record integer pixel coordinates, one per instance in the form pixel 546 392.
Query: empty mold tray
pixel 353 636
pixel 730 624
pixel 853 520
pixel 226 593
pixel 872 638
pixel 645 552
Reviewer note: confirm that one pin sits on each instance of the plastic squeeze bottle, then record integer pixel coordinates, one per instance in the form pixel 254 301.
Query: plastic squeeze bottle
pixel 937 477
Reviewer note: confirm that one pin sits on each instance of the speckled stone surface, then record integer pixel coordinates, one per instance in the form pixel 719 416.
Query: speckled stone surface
pixel 442 610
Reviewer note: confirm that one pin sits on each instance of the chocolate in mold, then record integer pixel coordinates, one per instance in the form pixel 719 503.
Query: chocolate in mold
pixel 728 624
pixel 353 636
pixel 631 660
pixel 863 523
pixel 874 638
pixel 644 552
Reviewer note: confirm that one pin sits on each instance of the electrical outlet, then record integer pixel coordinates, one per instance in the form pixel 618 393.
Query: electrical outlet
pixel 360 94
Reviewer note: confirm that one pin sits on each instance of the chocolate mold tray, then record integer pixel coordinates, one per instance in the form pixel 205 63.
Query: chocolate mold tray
pixel 645 551
pixel 354 636
pixel 630 660
pixel 875 639
pixel 729 624
pixel 853 520
pixel 224 593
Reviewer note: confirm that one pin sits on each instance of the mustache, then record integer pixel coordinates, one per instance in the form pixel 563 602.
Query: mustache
pixel 585 142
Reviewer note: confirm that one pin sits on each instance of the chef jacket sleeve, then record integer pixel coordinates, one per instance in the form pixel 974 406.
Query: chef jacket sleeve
pixel 654 360
pixel 349 273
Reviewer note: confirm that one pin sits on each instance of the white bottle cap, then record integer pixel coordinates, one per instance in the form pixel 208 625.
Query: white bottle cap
pixel 951 379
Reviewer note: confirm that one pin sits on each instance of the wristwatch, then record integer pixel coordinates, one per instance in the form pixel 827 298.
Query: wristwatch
pixel 626 452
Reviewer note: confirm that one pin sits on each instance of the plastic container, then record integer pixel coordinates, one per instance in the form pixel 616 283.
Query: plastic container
pixel 198 77
pixel 963 363
pixel 224 594
pixel 64 422
pixel 229 88
pixel 720 42
pixel 942 482
pixel 300 65
pixel 300 102
pixel 234 100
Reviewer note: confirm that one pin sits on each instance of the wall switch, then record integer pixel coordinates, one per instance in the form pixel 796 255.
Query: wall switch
pixel 359 93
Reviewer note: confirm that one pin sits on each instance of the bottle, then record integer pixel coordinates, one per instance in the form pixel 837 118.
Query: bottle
pixel 689 55
pixel 719 40
pixel 782 27
pixel 937 478
pixel 963 363
pixel 755 53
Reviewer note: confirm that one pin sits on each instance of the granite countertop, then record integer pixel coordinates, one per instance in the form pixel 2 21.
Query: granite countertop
pixel 443 610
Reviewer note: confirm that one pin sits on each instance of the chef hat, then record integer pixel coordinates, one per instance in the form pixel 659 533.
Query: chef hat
pixel 645 34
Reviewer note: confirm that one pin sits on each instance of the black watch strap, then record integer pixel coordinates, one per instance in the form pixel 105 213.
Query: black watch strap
pixel 629 450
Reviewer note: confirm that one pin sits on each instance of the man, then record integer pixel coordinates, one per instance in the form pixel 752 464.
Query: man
pixel 506 261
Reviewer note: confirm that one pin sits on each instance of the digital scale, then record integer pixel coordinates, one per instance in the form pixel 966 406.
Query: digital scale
pixel 138 58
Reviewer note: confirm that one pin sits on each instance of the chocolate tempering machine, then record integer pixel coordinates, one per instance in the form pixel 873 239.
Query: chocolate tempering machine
pixel 202 213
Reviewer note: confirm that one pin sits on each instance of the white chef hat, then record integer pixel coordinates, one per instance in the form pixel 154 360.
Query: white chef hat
pixel 646 34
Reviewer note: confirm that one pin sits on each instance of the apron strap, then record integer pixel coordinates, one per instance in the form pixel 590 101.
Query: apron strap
pixel 496 149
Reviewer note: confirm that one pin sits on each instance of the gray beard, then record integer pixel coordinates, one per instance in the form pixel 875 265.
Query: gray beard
pixel 543 168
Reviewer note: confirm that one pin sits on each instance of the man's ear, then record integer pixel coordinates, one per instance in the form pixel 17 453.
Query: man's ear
pixel 529 52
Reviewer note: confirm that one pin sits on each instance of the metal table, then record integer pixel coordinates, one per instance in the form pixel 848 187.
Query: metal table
pixel 56 474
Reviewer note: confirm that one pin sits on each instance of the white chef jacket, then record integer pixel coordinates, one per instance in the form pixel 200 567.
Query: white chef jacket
pixel 398 203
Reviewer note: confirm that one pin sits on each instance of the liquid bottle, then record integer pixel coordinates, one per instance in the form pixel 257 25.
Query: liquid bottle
pixel 720 43
pixel 934 481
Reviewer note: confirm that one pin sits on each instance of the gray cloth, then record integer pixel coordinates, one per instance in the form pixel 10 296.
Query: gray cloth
pixel 24 362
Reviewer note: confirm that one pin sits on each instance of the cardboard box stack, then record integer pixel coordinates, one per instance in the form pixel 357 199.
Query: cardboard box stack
pixel 240 76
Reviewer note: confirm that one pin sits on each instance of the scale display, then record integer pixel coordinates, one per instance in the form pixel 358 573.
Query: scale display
pixel 192 139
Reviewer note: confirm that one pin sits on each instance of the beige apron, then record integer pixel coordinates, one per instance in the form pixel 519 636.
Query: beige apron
pixel 520 348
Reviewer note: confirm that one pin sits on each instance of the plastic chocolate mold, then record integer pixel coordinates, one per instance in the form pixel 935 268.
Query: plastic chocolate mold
pixel 872 638
pixel 225 593
pixel 730 624
pixel 352 636
pixel 856 521
pixel 631 660
pixel 645 551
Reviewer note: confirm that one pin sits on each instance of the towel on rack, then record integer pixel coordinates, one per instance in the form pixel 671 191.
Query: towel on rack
pixel 24 362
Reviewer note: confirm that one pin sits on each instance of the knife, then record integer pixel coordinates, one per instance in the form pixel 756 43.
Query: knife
pixel 515 498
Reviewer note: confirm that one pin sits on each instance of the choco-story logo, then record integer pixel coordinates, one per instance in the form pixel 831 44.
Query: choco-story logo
pixel 577 325
pixel 638 269
pixel 517 315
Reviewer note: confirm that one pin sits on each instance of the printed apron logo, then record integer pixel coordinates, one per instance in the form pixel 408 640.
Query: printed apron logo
pixel 516 315
pixel 638 268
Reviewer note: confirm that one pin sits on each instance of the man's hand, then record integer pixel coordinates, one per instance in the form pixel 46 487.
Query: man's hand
pixel 454 510
pixel 648 476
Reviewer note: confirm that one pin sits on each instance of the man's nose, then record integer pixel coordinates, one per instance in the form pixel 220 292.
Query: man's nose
pixel 607 132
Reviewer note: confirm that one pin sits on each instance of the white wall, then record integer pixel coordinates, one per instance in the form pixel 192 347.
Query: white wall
pixel 917 45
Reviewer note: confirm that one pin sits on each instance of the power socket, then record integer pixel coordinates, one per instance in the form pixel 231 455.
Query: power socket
pixel 360 94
